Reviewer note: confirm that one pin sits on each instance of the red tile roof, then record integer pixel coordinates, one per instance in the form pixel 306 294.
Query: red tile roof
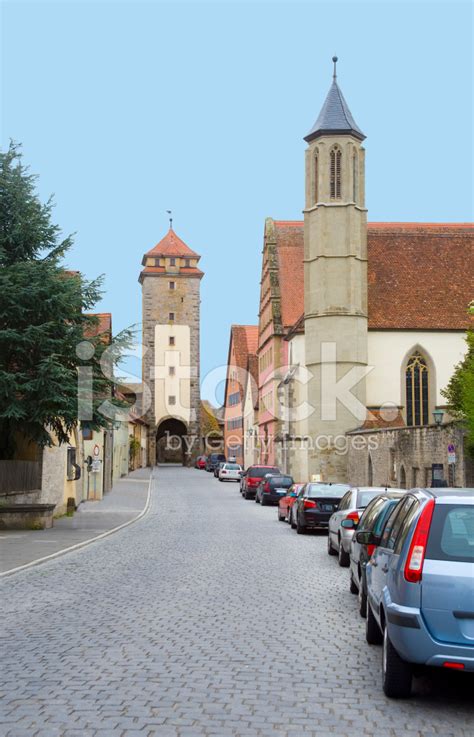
pixel 172 245
pixel 244 340
pixel 104 325
pixel 420 275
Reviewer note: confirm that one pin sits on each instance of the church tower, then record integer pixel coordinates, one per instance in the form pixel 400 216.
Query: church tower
pixel 335 255
pixel 170 281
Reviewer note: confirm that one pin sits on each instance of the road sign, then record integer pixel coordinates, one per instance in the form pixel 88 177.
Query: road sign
pixel 451 455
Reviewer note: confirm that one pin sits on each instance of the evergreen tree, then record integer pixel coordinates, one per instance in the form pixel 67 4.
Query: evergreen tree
pixel 43 318
pixel 460 390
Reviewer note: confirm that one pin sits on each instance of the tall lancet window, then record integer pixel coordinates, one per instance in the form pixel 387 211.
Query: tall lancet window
pixel 355 177
pixel 335 173
pixel 416 382
pixel 316 178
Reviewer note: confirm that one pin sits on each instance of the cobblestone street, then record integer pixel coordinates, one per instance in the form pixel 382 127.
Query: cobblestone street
pixel 205 617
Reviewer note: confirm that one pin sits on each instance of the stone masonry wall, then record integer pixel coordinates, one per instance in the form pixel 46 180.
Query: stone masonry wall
pixel 157 302
pixel 406 453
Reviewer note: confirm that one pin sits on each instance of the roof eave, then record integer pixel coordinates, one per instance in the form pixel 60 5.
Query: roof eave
pixel 347 132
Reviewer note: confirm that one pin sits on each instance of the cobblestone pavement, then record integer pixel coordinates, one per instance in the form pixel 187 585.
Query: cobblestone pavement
pixel 206 617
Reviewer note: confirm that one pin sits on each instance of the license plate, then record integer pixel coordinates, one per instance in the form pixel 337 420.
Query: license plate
pixel 280 491
pixel 327 507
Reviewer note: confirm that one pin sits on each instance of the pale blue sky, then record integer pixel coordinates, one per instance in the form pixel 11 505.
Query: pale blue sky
pixel 126 109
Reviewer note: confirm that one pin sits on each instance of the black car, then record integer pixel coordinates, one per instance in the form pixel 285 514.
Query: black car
pixel 365 540
pixel 314 505
pixel 217 468
pixel 213 460
pixel 271 488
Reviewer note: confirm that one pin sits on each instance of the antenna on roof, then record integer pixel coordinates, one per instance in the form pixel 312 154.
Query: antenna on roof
pixel 334 58
pixel 170 213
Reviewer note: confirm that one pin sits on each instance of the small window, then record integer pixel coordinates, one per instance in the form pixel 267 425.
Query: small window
pixel 171 400
pixel 172 284
pixel 416 385
pixel 355 176
pixel 172 262
pixel 187 263
pixel 171 316
pixel 316 180
pixel 335 173
pixel 171 340
pixel 87 433
pixel 171 370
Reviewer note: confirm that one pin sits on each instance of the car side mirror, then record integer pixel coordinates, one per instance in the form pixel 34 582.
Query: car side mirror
pixel 348 524
pixel 363 537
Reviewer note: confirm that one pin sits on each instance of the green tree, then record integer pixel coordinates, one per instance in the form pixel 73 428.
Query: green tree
pixel 42 320
pixel 460 390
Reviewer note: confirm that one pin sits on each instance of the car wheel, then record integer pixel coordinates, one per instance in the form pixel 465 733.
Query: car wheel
pixel 221 479
pixel 342 557
pixel 362 600
pixel 352 587
pixel 331 550
pixel 300 529
pixel 373 634
pixel 396 672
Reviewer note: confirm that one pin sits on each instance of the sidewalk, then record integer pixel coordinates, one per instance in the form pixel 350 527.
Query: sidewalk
pixel 121 505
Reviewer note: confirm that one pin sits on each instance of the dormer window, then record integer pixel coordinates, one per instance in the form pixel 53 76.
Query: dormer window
pixel 172 262
pixel 335 173
pixel 187 263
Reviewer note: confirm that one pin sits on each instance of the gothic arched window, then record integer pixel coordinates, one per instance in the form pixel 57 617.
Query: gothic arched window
pixel 416 382
pixel 355 175
pixel 335 173
pixel 316 178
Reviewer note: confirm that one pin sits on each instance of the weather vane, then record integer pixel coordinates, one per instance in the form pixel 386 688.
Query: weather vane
pixel 334 58
pixel 170 213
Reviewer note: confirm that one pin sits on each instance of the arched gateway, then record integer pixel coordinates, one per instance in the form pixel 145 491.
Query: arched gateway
pixel 170 281
pixel 171 436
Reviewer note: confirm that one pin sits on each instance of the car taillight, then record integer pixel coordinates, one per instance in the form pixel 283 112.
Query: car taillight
pixel 454 666
pixel 353 516
pixel 370 550
pixel 416 554
pixel 308 504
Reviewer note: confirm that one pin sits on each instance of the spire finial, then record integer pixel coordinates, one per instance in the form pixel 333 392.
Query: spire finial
pixel 170 213
pixel 334 58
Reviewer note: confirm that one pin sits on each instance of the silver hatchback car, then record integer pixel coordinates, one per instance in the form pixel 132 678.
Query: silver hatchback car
pixel 420 586
pixel 350 508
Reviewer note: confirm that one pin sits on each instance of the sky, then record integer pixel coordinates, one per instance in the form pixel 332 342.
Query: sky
pixel 127 109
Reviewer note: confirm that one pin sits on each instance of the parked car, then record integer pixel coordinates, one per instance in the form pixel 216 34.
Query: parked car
pixel 252 477
pixel 272 488
pixel 230 472
pixel 365 540
pixel 213 459
pixel 350 508
pixel 217 468
pixel 314 505
pixel 420 596
pixel 200 462
pixel 287 501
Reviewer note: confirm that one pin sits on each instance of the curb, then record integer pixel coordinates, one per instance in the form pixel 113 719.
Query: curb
pixel 84 543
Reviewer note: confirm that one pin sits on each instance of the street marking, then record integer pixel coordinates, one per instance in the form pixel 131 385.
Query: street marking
pixel 83 544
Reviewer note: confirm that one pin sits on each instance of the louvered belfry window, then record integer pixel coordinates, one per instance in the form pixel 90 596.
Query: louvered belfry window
pixel 416 380
pixel 335 174
pixel 316 179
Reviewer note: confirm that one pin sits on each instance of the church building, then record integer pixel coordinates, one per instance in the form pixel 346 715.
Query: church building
pixel 360 324
pixel 170 281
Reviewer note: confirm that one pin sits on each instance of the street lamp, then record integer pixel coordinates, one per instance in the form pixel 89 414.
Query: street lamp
pixel 438 415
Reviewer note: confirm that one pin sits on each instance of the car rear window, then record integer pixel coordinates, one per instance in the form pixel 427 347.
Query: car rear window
pixel 364 497
pixel 281 482
pixel 452 533
pixel 331 490
pixel 259 473
pixel 232 466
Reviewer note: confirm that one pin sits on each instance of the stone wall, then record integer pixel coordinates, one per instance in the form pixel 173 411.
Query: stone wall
pixel 402 457
pixel 157 302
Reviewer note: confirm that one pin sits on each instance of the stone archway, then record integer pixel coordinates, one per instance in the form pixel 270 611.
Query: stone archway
pixel 170 444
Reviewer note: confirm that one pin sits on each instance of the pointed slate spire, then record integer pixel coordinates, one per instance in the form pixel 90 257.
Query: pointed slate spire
pixel 335 116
